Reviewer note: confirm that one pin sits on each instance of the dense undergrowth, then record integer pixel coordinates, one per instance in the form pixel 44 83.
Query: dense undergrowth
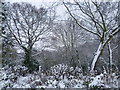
pixel 58 76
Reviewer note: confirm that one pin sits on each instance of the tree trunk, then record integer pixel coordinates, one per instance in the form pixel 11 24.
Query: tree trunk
pixel 28 59
pixel 99 52
pixel 29 62
pixel 110 57
pixel 96 57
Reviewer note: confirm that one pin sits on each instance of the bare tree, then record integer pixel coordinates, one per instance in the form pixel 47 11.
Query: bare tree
pixel 67 32
pixel 100 21
pixel 111 63
pixel 27 23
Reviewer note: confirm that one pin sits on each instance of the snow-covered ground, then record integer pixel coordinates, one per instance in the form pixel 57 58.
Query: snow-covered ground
pixel 59 76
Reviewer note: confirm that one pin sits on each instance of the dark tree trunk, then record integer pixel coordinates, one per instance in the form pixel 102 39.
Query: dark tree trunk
pixel 29 62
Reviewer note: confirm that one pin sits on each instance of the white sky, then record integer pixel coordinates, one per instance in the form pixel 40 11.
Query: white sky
pixel 31 0
pixel 60 10
pixel 34 2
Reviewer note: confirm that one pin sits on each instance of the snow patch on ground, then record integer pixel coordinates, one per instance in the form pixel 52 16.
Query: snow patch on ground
pixel 57 78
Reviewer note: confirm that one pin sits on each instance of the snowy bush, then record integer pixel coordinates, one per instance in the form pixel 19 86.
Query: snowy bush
pixel 104 80
pixel 4 79
pixel 58 76
pixel 62 70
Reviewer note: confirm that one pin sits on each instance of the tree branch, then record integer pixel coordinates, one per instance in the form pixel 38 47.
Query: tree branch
pixel 79 24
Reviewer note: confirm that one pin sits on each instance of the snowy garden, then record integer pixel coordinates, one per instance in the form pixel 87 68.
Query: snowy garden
pixel 60 44
pixel 59 76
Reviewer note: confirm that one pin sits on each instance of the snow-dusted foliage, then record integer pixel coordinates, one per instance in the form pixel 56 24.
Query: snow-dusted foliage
pixel 58 76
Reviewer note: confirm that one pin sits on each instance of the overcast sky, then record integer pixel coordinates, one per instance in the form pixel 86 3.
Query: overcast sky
pixel 34 2
pixel 31 0
pixel 59 10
